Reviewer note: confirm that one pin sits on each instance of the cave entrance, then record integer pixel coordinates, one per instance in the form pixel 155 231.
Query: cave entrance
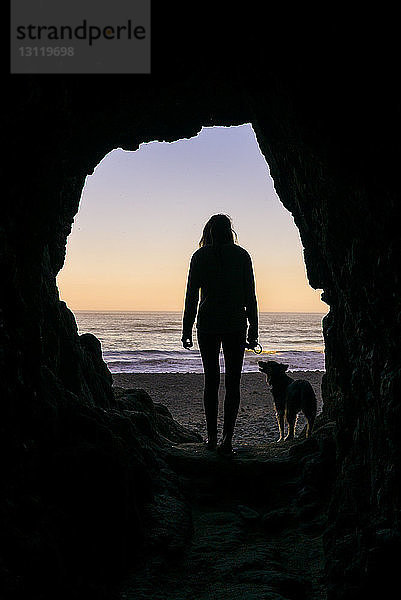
pixel 140 220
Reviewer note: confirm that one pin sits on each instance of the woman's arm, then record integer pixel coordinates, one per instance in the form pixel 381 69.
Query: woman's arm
pixel 191 300
pixel 251 304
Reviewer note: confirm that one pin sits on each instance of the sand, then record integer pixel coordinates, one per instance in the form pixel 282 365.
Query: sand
pixel 182 393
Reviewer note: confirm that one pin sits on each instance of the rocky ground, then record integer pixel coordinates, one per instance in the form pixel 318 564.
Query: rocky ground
pixel 247 546
pixel 246 527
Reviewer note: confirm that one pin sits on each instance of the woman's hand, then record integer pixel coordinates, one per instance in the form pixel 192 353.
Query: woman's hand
pixel 251 343
pixel 187 342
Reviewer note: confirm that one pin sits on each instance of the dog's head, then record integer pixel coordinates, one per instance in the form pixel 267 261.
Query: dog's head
pixel 272 369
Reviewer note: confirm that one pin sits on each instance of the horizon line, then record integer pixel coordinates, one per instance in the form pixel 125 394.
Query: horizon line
pixel 116 310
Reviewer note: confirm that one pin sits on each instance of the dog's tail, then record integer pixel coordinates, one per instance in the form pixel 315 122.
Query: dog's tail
pixel 310 411
pixel 309 424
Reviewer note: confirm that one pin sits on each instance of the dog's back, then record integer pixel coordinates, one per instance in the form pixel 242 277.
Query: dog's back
pixel 301 397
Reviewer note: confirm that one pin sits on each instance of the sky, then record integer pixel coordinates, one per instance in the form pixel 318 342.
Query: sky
pixel 141 218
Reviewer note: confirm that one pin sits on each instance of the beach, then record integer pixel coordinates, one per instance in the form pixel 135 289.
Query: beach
pixel 182 394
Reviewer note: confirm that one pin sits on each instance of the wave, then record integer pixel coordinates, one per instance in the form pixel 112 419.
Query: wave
pixel 183 361
pixel 110 354
pixel 187 353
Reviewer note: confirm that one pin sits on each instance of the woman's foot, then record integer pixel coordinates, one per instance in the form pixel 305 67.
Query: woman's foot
pixel 225 449
pixel 211 442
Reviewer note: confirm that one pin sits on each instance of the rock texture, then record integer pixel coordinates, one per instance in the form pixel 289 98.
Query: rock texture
pixel 257 523
pixel 320 93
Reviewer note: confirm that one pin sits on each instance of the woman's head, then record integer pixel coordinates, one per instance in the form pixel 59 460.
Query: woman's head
pixel 218 230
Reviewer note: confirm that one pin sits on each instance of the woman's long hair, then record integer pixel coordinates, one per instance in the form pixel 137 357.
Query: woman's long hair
pixel 218 230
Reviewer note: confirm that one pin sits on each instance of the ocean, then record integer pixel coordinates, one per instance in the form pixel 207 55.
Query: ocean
pixel 150 342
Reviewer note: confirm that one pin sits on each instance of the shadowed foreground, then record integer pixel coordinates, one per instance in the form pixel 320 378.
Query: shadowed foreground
pixel 253 527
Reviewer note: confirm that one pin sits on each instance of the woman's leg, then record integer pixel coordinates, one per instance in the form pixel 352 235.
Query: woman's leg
pixel 209 346
pixel 233 348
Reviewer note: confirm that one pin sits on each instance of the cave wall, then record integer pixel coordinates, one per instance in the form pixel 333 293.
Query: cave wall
pixel 322 103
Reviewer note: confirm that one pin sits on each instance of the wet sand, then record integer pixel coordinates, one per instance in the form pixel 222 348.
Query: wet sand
pixel 182 393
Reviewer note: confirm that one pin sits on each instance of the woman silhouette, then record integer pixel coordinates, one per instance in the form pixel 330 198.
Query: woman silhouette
pixel 223 272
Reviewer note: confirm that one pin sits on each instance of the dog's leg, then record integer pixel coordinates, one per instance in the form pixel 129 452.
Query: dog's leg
pixel 310 419
pixel 291 419
pixel 280 422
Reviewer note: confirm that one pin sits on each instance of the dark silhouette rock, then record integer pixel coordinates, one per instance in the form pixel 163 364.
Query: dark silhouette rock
pixel 153 419
pixel 278 519
pixel 247 513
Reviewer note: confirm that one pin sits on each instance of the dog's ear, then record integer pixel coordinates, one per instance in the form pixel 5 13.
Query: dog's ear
pixel 284 367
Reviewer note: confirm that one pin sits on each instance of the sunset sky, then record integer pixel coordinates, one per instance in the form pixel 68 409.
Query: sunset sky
pixel 142 214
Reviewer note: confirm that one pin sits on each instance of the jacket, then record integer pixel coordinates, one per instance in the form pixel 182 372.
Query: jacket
pixel 224 275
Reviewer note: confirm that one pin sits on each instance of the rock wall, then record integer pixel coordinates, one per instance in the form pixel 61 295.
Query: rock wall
pixel 322 103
